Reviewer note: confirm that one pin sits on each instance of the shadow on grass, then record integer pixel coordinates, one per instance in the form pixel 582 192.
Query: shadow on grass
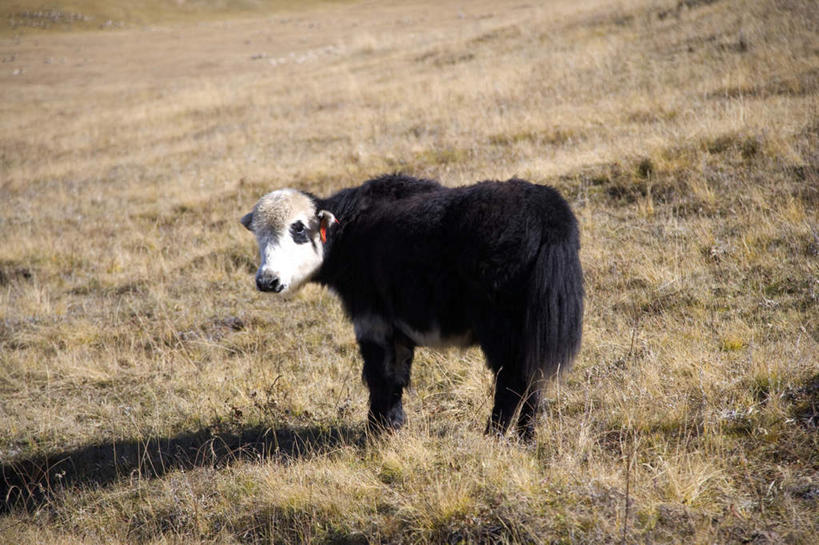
pixel 30 483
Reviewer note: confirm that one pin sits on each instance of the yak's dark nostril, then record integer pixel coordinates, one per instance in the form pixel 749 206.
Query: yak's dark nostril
pixel 268 282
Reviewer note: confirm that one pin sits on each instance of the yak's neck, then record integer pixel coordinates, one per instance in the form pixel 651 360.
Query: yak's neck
pixel 343 205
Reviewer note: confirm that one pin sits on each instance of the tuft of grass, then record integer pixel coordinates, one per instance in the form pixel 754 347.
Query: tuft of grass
pixel 732 343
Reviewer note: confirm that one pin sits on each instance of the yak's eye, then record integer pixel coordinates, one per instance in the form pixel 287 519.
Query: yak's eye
pixel 299 233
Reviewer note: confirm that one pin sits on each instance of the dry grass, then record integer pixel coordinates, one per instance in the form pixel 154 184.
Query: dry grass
pixel 148 394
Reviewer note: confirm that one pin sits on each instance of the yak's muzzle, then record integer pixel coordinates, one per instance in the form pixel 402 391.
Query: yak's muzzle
pixel 265 281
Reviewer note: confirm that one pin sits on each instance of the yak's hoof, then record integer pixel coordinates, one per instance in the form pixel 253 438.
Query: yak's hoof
pixel 524 431
pixel 392 420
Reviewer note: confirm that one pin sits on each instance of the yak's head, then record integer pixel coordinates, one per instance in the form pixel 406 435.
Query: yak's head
pixel 291 234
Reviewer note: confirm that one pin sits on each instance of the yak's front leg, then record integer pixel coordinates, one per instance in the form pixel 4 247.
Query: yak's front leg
pixel 387 361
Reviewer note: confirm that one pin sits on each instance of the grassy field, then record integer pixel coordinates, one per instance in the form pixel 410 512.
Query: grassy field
pixel 148 393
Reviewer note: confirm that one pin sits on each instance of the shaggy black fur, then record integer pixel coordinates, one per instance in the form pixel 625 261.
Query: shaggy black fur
pixel 494 264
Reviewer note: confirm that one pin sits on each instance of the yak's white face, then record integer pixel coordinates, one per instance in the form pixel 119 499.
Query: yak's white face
pixel 288 229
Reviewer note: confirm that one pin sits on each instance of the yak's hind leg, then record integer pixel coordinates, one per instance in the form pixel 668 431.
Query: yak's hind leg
pixel 387 364
pixel 529 409
pixel 515 392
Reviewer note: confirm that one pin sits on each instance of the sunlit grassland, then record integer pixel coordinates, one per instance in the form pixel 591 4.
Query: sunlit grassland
pixel 149 394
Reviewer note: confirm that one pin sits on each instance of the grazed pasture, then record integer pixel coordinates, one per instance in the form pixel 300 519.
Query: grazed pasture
pixel 148 393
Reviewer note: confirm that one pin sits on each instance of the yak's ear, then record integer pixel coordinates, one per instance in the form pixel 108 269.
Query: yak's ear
pixel 326 219
pixel 247 221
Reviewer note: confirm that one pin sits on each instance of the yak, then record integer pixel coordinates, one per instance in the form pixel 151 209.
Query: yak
pixel 414 263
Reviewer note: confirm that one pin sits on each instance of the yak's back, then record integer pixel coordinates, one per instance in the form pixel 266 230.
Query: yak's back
pixel 496 230
pixel 387 190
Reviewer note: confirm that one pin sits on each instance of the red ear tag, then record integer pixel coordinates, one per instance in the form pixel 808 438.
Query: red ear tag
pixel 323 230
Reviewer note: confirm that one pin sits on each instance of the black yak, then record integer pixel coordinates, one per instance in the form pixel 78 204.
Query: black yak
pixel 418 264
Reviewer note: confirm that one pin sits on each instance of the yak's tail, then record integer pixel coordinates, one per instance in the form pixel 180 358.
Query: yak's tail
pixel 554 314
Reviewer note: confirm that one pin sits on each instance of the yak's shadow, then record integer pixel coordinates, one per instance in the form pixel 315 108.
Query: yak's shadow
pixel 30 483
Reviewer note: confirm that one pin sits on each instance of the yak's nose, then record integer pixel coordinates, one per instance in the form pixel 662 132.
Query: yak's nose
pixel 266 281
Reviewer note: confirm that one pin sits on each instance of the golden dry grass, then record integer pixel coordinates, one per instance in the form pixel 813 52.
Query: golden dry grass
pixel 148 394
